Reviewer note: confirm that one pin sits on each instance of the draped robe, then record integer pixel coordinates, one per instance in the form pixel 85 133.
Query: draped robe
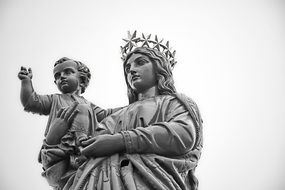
pixel 163 139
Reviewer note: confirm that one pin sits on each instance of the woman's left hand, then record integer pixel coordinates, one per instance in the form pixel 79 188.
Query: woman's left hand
pixel 103 145
pixel 61 124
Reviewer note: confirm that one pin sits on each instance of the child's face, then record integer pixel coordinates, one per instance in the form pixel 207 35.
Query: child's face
pixel 66 77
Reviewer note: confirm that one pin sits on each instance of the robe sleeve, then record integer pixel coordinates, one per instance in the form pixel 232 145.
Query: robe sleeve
pixel 173 137
pixel 40 104
pixel 102 113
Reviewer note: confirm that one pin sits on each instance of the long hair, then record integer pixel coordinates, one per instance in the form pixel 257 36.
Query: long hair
pixel 161 65
pixel 84 72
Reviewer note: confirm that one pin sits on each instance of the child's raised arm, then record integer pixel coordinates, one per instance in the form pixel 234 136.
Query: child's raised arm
pixel 26 87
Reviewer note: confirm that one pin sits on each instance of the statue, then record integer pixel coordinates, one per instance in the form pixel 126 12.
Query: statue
pixel 72 78
pixel 153 143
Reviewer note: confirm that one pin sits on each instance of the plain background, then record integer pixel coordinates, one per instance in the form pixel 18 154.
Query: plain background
pixel 231 61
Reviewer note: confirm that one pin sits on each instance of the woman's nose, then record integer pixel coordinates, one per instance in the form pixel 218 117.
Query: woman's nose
pixel 132 72
pixel 133 69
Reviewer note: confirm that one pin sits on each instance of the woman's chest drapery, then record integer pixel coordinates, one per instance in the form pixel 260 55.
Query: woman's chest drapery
pixel 139 114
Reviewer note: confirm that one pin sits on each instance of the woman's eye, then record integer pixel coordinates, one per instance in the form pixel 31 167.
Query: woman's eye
pixel 141 62
pixel 127 69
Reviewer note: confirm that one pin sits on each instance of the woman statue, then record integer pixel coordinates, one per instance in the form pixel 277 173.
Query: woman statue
pixel 153 143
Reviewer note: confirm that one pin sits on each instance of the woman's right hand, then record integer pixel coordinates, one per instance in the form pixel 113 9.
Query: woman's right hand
pixel 61 124
pixel 103 145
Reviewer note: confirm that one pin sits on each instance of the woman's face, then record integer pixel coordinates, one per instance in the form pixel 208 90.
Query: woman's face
pixel 140 73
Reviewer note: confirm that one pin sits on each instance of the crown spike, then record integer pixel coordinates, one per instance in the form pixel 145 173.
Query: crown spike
pixel 155 38
pixel 167 44
pixel 129 35
pixel 144 40
pixel 157 43
pixel 134 34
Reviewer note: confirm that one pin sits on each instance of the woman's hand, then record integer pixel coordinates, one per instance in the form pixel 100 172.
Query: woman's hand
pixel 103 145
pixel 61 124
pixel 68 114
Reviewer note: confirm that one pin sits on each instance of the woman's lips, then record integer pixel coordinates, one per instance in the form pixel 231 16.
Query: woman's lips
pixel 135 77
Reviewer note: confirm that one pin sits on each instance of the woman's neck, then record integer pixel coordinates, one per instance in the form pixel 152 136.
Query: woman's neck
pixel 151 92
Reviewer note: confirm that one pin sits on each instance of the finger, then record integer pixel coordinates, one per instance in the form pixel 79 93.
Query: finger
pixel 72 116
pixel 23 68
pixel 62 116
pixel 83 151
pixel 90 150
pixel 71 110
pixel 59 112
pixel 30 73
pixel 88 141
pixel 23 72
pixel 21 75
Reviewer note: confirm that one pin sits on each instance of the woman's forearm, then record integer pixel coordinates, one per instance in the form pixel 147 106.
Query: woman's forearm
pixel 169 139
pixel 104 145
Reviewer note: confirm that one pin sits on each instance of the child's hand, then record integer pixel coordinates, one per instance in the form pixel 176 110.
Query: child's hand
pixel 25 74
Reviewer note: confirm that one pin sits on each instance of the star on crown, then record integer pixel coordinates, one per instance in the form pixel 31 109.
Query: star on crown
pixel 134 41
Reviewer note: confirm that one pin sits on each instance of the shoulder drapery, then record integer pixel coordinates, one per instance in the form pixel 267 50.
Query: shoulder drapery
pixel 162 155
pixel 173 136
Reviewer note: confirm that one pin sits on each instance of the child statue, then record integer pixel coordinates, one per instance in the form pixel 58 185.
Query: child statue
pixel 72 78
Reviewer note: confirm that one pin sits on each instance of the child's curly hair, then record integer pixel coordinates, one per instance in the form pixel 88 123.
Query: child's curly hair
pixel 84 71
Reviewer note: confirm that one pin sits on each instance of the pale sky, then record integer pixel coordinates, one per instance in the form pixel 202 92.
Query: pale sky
pixel 231 61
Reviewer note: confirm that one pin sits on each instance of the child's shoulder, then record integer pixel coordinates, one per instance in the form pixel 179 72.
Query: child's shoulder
pixel 71 98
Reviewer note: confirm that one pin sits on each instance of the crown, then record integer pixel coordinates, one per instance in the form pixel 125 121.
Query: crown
pixel 134 41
